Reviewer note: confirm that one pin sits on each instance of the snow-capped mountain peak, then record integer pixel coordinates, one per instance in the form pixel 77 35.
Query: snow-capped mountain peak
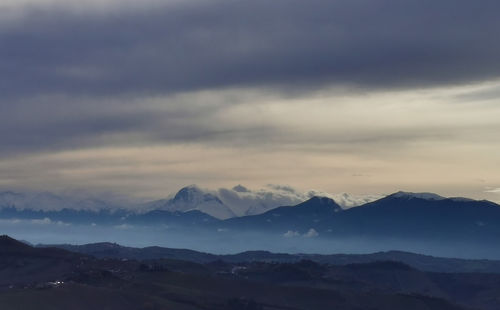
pixel 194 195
pixel 194 198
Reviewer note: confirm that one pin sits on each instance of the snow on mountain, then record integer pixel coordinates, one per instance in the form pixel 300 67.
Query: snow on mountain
pixel 241 201
pixel 244 201
pixel 346 200
pixel 193 198
pixel 226 203
pixel 221 203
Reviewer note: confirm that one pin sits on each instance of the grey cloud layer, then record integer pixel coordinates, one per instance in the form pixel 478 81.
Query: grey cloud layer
pixel 70 79
pixel 383 44
pixel 60 122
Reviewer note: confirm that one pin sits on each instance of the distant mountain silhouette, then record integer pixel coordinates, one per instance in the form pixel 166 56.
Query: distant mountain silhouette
pixel 401 215
pixel 417 261
pixel 404 221
pixel 423 216
pixel 303 216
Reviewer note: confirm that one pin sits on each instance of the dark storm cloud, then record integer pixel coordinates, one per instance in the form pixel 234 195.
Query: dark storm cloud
pixel 366 43
pixel 66 77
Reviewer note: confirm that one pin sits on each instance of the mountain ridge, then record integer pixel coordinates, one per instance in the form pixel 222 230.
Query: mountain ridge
pixel 419 261
pixel 221 203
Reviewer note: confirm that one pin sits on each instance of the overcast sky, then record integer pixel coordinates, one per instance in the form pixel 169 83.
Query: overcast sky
pixel 144 97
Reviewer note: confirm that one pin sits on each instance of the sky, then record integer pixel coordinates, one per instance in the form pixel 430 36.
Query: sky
pixel 143 98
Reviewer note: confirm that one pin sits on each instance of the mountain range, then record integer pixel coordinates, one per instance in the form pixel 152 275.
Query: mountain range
pixel 416 222
pixel 406 213
pixel 221 203
pixel 107 250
